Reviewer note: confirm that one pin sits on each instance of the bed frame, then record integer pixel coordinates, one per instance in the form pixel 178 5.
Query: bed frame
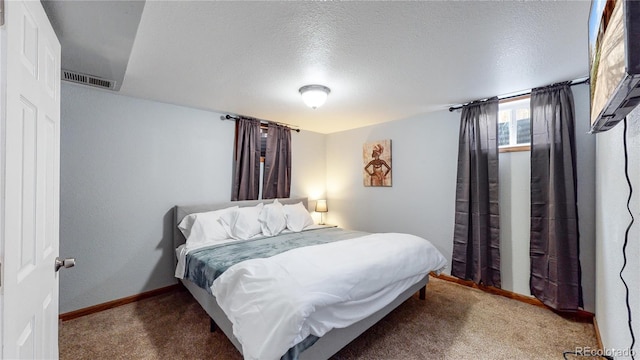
pixel 327 345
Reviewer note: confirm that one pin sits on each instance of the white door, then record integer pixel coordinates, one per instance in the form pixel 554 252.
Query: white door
pixel 29 180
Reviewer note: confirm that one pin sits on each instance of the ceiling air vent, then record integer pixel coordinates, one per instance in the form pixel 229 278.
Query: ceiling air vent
pixel 85 79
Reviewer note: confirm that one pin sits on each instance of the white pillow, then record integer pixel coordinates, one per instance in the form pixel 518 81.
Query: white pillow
pixel 297 216
pixel 187 222
pixel 242 223
pixel 201 227
pixel 272 220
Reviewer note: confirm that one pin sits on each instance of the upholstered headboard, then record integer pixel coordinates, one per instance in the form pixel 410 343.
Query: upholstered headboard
pixel 181 211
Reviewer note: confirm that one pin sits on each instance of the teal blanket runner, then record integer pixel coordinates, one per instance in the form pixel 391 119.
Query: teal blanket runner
pixel 205 265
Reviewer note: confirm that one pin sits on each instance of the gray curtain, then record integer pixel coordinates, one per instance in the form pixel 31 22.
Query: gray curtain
pixel 246 174
pixel 555 253
pixel 277 163
pixel 476 238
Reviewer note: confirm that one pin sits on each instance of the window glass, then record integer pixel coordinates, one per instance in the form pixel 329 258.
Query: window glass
pixel 263 142
pixel 503 133
pixel 504 127
pixel 514 125
pixel 524 131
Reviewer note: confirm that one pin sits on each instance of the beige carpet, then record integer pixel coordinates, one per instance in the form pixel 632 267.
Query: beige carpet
pixel 454 322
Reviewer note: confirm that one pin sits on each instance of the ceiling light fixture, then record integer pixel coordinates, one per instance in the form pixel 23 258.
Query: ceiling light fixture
pixel 314 95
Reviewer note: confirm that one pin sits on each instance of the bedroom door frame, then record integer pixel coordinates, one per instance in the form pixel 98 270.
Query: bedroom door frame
pixel 29 181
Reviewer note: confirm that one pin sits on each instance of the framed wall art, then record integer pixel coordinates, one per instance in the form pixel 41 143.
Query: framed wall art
pixel 376 157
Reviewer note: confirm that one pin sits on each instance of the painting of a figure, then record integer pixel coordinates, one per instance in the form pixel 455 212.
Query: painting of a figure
pixel 376 156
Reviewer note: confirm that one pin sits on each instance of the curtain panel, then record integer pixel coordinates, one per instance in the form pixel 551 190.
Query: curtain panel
pixel 277 163
pixel 555 249
pixel 246 170
pixel 476 238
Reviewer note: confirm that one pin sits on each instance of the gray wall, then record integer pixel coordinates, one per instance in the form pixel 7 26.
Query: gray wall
pixel 124 163
pixel 515 219
pixel 421 201
pixel 612 220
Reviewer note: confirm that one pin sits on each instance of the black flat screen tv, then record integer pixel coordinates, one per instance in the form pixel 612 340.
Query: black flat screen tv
pixel 614 61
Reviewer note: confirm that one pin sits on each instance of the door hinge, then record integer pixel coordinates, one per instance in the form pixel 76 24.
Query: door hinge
pixel 1 12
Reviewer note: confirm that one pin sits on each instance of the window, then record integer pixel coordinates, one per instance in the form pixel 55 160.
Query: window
pixel 263 142
pixel 514 132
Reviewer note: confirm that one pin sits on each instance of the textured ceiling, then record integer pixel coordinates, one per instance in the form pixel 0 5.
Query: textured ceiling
pixel 383 61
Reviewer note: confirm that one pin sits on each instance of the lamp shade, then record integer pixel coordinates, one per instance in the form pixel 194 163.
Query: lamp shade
pixel 314 95
pixel 321 206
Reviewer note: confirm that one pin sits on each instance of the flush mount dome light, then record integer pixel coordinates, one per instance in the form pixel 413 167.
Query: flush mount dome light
pixel 314 95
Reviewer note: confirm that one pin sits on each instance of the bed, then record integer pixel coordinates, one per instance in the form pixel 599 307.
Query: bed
pixel 203 288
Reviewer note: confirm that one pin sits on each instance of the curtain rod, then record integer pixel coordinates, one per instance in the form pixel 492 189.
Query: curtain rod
pixel 527 92
pixel 229 117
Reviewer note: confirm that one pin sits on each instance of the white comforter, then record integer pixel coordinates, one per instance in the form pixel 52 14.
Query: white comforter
pixel 275 303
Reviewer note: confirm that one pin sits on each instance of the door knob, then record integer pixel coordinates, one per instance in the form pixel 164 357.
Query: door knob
pixel 67 263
